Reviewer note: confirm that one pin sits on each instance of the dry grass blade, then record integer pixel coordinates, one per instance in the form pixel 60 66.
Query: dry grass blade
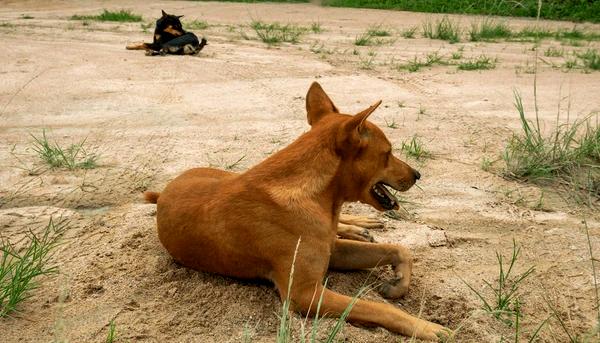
pixel 285 330
pixel 595 277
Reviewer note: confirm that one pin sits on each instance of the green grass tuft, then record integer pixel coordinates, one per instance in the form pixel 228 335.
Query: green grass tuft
pixel 416 64
pixel 480 63
pixel 106 15
pixel 20 267
pixel 576 34
pixel 570 64
pixel 573 37
pixel 486 164
pixel 444 29
pixel 590 59
pixel 73 157
pixel 276 33
pixel 363 39
pixel 391 123
pixel 504 302
pixel 554 52
pixel 535 33
pixel 488 30
pixel 367 38
pixel 315 27
pixel 378 31
pixel 410 32
pixel 367 62
pixel 433 58
pixel 415 148
pixel 567 155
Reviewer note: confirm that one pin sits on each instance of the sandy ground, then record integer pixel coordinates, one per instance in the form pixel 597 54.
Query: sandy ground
pixel 150 118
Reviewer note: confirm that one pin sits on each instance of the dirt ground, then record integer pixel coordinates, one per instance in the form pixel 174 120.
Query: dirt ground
pixel 150 118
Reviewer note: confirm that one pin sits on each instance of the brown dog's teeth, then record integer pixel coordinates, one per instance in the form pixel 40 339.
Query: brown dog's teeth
pixel 383 195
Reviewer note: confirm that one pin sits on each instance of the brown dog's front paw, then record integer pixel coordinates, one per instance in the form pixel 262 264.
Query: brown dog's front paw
pixel 371 223
pixel 394 288
pixel 444 334
pixel 362 221
pixel 368 222
pixel 367 236
pixel 433 332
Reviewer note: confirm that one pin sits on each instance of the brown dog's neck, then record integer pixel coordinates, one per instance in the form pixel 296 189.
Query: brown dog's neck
pixel 300 176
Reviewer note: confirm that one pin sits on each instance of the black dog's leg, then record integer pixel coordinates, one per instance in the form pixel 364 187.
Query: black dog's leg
pixel 186 44
pixel 155 53
pixel 152 49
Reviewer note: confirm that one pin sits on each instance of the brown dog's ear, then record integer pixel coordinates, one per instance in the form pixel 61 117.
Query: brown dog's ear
pixel 359 119
pixel 318 104
pixel 354 129
pixel 164 14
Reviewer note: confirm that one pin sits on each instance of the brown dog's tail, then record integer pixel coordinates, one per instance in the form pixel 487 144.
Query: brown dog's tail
pixel 151 197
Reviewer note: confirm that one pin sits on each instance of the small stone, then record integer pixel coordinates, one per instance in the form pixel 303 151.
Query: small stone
pixel 437 238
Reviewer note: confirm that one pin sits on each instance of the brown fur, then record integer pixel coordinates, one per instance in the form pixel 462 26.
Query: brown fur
pixel 172 31
pixel 248 225
pixel 151 197
pixel 137 46
pixel 349 227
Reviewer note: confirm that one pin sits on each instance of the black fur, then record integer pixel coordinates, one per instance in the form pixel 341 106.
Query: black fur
pixel 171 38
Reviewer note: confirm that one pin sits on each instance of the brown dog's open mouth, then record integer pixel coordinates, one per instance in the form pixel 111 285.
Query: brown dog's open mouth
pixel 383 196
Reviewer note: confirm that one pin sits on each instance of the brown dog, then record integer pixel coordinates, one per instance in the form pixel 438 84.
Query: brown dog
pixel 248 225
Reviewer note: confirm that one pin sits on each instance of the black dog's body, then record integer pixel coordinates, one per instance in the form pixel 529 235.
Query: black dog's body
pixel 186 44
pixel 171 38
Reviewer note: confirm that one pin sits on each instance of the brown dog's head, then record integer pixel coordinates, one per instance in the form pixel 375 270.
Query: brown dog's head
pixel 368 168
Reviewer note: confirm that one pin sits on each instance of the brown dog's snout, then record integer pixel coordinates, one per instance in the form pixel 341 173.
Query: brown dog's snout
pixel 417 174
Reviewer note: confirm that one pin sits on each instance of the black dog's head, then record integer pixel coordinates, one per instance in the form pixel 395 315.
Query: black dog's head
pixel 168 27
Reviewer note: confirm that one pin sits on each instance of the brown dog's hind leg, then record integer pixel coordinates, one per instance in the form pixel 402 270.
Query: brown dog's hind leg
pixel 306 290
pixel 362 221
pixel 371 313
pixel 353 232
pixel 351 255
